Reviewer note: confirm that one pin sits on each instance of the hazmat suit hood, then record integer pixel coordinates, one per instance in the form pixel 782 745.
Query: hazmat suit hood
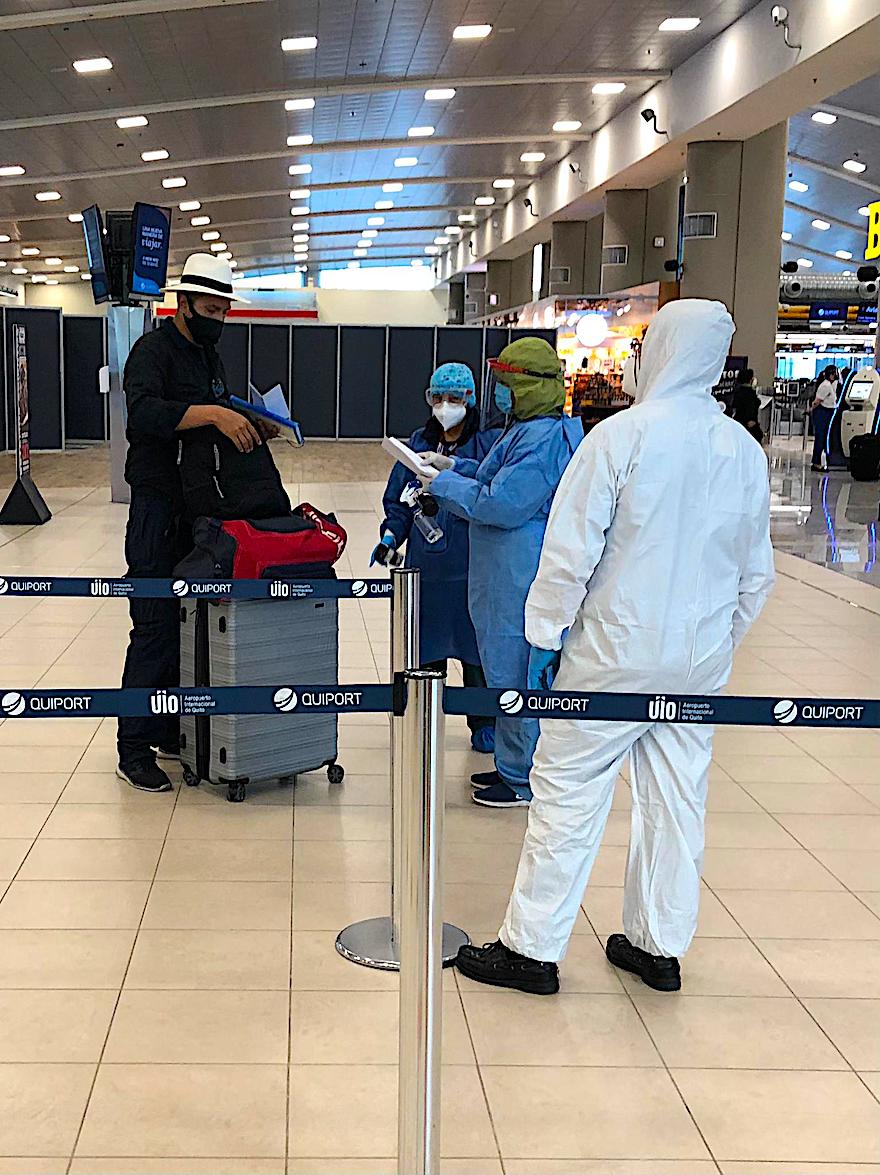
pixel 685 350
pixel 533 395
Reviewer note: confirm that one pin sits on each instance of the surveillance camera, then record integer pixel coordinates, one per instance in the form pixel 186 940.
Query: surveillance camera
pixel 574 168
pixel 648 114
pixel 527 202
pixel 779 14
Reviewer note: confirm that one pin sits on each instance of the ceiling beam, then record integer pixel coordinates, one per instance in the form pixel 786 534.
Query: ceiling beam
pixel 333 88
pixel 116 10
pixel 859 228
pixel 856 115
pixel 836 172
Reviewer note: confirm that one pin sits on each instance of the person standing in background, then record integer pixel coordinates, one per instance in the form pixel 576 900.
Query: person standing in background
pixel 746 404
pixel 822 410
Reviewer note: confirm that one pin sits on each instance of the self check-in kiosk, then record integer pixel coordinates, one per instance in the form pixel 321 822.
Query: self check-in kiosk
pixel 857 408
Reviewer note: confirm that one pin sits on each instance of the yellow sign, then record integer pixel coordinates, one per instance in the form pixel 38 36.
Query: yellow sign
pixel 872 249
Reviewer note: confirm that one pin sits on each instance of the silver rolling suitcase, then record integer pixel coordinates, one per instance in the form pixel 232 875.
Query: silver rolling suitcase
pixel 258 642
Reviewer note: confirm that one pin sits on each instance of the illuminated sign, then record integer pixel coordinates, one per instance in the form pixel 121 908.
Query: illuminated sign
pixel 872 249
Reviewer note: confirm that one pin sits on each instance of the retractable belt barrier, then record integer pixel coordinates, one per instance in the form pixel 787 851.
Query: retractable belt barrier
pixel 215 589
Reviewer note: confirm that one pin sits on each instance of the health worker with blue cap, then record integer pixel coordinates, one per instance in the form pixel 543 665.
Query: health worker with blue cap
pixel 506 498
pixel 439 549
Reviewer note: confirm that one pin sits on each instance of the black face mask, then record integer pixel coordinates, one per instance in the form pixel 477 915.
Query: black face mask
pixel 205 331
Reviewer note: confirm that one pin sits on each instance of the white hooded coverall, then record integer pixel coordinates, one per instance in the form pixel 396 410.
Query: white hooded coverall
pixel 658 558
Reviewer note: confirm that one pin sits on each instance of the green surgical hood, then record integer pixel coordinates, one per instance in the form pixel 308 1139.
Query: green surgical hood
pixel 533 395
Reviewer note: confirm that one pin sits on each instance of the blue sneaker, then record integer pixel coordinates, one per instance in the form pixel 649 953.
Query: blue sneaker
pixel 500 795
pixel 483 740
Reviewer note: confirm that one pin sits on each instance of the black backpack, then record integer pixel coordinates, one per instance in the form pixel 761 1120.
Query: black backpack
pixel 219 481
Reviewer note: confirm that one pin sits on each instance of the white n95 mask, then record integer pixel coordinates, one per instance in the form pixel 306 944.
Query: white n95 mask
pixel 449 415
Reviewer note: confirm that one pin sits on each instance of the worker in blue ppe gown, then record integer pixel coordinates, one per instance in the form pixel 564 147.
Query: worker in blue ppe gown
pixel 445 626
pixel 507 500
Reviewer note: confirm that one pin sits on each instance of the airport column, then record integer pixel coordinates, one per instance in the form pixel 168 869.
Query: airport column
pixel 576 246
pixel 498 285
pixel 734 203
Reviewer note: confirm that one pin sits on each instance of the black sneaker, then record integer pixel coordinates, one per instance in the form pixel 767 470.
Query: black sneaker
pixel 495 964
pixel 484 779
pixel 500 795
pixel 654 970
pixel 170 754
pixel 145 776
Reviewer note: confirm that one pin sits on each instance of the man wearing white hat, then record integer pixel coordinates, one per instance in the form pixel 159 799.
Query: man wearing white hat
pixel 173 381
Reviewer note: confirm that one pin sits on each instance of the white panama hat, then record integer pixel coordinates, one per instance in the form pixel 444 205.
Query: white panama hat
pixel 203 273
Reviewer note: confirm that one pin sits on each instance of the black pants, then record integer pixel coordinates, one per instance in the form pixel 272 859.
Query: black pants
pixel 155 541
pixel 473 678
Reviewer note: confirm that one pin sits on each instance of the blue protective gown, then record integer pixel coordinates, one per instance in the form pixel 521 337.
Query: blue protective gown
pixel 507 498
pixel 445 625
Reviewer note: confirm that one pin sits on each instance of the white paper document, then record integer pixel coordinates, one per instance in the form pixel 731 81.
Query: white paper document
pixel 272 401
pixel 406 456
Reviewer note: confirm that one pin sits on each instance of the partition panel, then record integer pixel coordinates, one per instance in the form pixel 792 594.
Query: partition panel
pixel 362 381
pixel 84 355
pixel 270 357
pixel 233 350
pixel 5 440
pixel 410 363
pixel 313 379
pixel 44 372
pixel 461 344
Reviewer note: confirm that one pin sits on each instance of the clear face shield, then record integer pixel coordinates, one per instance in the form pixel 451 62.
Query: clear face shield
pixel 491 414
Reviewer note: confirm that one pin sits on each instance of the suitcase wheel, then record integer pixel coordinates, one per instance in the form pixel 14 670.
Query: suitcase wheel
pixel 335 773
pixel 190 778
pixel 236 791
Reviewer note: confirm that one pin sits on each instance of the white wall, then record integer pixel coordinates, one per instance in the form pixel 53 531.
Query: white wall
pixel 71 297
pixel 383 307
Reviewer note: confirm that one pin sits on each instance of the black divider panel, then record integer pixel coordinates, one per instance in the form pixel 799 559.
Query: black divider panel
pixel 362 381
pixel 233 350
pixel 5 437
pixel 549 335
pixel 410 363
pixel 497 338
pixel 44 373
pixel 83 356
pixel 313 380
pixel 461 344
pixel 270 360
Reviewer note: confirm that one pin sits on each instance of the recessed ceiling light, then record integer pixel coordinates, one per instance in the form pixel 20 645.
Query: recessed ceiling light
pixel 5 238
pixel 299 44
pixel 532 157
pixel 864 210
pixel 174 181
pixel 299 169
pixel 154 156
pixel 376 220
pixel 233 264
pixel 843 254
pixel 300 193
pixel 439 95
pixel 855 165
pixel 822 225
pixel 786 236
pixel 51 281
pixel 825 118
pixel 406 161
pixel 564 125
pixel 11 169
pixel 301 238
pixel 300 226
pixel 2 264
pixel 218 246
pixel 74 217
pixel 353 265
pixel 417 261
pixel 227 256
pixel 361 252
pixel 189 206
pixel 47 196
pixel 484 201
pixel 364 243
pixel 471 32
pixel 211 235
pixel 200 221
pixel 804 263
pixel 392 187
pixel 453 230
pixel 299 104
pixel 420 132
pixel 370 233
pixel 609 87
pixel 30 251
pixel 300 140
pixel 798 186
pixel 300 250
pixel 466 217
pixel 53 261
pixel 503 183
pixel 432 250
pixel 679 24
pixel 19 269
pixel 441 240
pixel 38 277
pixel 847 273
pixel 93 65
pixel 300 210
pixel 85 277
pixel 71 269
pixel 131 121
pixel 383 205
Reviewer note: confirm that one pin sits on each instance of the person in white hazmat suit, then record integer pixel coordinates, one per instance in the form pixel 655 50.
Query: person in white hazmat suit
pixel 656 561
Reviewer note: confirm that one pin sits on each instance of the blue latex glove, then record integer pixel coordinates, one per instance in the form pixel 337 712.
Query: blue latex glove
pixel 543 667
pixel 383 549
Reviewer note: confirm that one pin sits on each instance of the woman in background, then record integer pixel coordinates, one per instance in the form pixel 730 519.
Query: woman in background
pixel 823 407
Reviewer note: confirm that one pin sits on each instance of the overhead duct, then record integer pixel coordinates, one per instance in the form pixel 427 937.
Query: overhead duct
pixel 826 287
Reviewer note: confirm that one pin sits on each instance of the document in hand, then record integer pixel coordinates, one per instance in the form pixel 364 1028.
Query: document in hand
pixel 405 455
pixel 271 408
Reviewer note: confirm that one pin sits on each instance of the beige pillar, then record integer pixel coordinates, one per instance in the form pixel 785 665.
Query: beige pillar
pixel 624 228
pixel 498 285
pixel 661 228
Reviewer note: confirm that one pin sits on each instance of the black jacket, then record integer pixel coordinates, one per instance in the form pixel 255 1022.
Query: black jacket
pixel 218 481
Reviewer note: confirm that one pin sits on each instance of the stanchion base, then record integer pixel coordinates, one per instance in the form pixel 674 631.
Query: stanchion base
pixel 368 943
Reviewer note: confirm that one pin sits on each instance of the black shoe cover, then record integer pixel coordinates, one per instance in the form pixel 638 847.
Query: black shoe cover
pixel 654 970
pixel 496 965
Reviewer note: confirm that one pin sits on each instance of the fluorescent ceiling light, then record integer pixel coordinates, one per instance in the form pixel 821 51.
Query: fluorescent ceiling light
pixel 441 240
pixel 85 277
pixel 804 263
pixel 432 250
pixel 299 169
pixel 71 269
pixel 30 251
pixel 51 281
pixel 532 157
pixel 471 32
pixel 38 277
pixel 843 254
pixel 300 226
pixel 825 118
pixel 11 169
pixel 484 201
pixel 609 87
pixel 503 183
pixel 47 196
pixel 821 225
pixel 864 210
pixel 406 161
pixel 360 252
pixel 131 121
pixel 299 104
pixel 466 217
pixel 19 269
pixel 417 261
pixel 53 261
pixel 299 44
pixel 233 264
pixel 375 220
pixel 453 230
pixel 392 187
pixel 74 217
pixel 567 124
pixel 799 186
pixel 174 181
pixel 2 264
pixel 189 206
pixel 383 205
pixel 213 235
pixel 300 140
pixel 5 238
pixel 200 221
pixel 847 273
pixel 855 165
pixel 93 65
pixel 301 239
pixel 300 193
pixel 300 249
pixel 227 256
pixel 300 210
pixel 370 233
pixel 218 246
pixel 154 156
pixel 420 132
pixel 353 265
pixel 439 95
pixel 786 236
pixel 679 24
pixel 364 243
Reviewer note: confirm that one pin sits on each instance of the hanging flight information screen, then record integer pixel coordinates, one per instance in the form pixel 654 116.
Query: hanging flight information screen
pixel 151 234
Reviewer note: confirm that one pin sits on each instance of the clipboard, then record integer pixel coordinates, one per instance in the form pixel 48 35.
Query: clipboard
pixel 288 428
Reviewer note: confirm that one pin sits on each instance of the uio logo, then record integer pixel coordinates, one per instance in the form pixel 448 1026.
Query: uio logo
pixel 285 699
pixel 161 702
pixel 12 703
pixel 358 588
pixel 180 587
pixel 511 702
pixel 4 586
pixel 662 709
pixel 785 711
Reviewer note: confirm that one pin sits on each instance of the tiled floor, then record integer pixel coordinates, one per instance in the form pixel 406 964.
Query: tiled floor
pixel 170 1000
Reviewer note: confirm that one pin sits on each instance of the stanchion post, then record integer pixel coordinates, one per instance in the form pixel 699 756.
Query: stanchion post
pixel 418 783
